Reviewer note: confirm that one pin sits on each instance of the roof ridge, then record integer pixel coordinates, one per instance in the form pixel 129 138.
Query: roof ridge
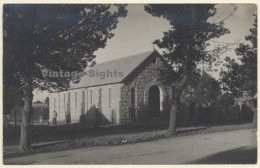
pixel 125 66
pixel 129 56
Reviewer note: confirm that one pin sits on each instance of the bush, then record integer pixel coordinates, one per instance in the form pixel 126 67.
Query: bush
pixel 83 118
pixel 68 118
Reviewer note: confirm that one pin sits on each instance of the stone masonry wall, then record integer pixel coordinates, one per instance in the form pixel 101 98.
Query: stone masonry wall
pixel 146 77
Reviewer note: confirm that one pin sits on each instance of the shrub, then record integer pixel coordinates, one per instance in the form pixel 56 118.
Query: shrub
pixel 83 118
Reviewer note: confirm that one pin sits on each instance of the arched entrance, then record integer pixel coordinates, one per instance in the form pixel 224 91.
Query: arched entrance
pixel 155 92
pixel 154 101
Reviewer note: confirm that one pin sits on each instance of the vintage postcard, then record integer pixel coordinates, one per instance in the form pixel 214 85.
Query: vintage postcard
pixel 123 83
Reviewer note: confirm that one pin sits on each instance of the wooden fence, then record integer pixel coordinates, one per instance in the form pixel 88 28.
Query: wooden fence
pixel 216 112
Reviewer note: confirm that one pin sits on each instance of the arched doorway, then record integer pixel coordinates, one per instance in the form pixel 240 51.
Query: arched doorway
pixel 154 101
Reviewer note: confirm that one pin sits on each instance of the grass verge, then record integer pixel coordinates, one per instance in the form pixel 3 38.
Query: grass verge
pixel 108 140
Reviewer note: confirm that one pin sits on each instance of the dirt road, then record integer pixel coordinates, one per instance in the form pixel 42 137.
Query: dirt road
pixel 234 147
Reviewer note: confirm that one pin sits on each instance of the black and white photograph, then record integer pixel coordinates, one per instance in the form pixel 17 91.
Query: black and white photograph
pixel 129 83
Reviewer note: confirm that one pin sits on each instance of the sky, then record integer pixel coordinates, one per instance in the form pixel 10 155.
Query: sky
pixel 136 32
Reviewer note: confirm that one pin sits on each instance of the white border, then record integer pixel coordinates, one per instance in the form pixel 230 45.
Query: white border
pixel 116 1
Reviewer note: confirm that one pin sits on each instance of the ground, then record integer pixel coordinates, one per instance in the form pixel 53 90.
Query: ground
pixel 236 147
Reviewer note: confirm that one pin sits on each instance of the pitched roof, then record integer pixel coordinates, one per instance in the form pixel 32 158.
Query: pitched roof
pixel 124 65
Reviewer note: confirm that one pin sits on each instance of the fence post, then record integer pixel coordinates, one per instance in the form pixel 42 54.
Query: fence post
pixel 97 118
pixel 112 117
pixel 14 117
pixel 125 119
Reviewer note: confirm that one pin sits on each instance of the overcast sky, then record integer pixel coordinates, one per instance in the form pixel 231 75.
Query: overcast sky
pixel 136 32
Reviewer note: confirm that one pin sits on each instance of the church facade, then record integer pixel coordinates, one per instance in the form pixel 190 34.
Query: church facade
pixel 115 86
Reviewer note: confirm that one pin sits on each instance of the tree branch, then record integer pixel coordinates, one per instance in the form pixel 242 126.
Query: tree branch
pixel 234 9
pixel 222 47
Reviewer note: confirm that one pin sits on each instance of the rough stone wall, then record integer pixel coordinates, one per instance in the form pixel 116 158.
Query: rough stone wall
pixel 146 77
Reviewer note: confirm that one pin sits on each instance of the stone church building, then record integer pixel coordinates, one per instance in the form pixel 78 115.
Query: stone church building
pixel 112 87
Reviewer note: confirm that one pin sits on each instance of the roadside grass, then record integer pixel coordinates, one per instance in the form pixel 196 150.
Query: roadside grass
pixel 117 135
pixel 42 134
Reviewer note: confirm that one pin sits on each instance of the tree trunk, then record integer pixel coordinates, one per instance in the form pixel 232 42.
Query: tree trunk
pixel 27 110
pixel 255 117
pixel 176 96
pixel 177 91
pixel 172 126
pixel 254 109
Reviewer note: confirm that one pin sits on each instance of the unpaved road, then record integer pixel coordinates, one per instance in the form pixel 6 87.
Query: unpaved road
pixel 234 147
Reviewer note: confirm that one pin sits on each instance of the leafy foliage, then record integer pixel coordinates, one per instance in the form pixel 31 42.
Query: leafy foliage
pixel 203 87
pixel 55 38
pixel 242 77
pixel 47 101
pixel 185 45
pixel 50 37
pixel 12 92
pixel 186 42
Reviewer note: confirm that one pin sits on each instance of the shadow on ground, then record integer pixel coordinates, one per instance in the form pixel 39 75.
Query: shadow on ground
pixel 242 155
